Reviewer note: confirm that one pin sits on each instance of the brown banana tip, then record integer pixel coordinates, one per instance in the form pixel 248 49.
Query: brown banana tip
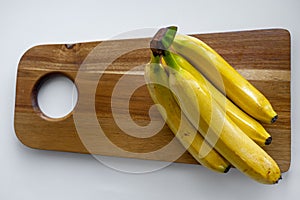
pixel 278 179
pixel 227 169
pixel 268 141
pixel 156 45
pixel 274 119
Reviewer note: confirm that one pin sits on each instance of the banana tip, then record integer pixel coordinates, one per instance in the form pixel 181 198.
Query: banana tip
pixel 268 141
pixel 227 169
pixel 274 119
pixel 278 179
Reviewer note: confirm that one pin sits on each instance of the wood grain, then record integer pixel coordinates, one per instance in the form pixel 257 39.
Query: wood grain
pixel 262 56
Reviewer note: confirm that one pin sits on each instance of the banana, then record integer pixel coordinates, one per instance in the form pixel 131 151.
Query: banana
pixel 157 83
pixel 249 126
pixel 223 134
pixel 236 87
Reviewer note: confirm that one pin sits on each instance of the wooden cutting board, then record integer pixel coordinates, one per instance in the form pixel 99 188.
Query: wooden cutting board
pixel 111 116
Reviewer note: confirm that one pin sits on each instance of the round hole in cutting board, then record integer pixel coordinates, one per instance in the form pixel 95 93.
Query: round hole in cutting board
pixel 56 96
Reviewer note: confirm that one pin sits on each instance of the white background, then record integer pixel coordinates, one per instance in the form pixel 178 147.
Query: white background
pixel 34 174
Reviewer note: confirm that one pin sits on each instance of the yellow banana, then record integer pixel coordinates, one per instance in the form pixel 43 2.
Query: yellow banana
pixel 157 83
pixel 237 88
pixel 246 123
pixel 224 135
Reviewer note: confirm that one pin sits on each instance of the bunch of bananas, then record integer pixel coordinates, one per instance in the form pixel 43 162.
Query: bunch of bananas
pixel 214 120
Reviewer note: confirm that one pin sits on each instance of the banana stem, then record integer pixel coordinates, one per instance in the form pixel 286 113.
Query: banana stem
pixel 168 38
pixel 154 58
pixel 160 44
pixel 162 40
pixel 170 61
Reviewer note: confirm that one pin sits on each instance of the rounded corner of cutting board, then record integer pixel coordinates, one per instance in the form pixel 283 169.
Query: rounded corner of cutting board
pixel 28 50
pixel 287 167
pixel 22 140
pixel 286 32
